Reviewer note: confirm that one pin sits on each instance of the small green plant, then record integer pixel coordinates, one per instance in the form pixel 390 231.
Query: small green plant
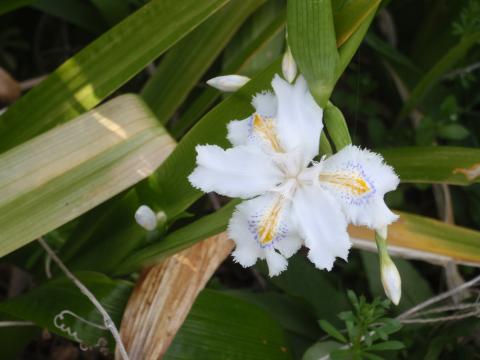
pixel 367 329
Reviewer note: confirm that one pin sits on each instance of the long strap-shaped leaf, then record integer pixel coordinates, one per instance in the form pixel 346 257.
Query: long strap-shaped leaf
pixel 102 67
pixel 435 164
pixel 67 171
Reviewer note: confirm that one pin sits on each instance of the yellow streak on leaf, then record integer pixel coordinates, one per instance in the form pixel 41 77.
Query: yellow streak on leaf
pixel 471 173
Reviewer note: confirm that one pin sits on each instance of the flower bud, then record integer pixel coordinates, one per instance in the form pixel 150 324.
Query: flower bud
pixel 391 281
pixel 146 218
pixel 228 83
pixel 289 66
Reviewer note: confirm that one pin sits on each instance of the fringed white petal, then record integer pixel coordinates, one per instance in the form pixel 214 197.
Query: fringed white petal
pixel 240 131
pixel 322 224
pixel 299 118
pixel 242 171
pixel 359 179
pixel 276 262
pixel 262 228
pixel 265 104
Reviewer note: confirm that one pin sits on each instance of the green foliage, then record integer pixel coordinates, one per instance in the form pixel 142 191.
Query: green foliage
pixel 367 329
pixel 411 91
pixel 311 36
pixel 216 317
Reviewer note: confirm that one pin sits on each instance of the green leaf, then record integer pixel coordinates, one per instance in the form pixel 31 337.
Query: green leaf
pixel 325 299
pixel 332 331
pixel 428 239
pixel 311 36
pixel 350 47
pixel 454 55
pixel 387 345
pixel 320 349
pixel 46 304
pixel 435 164
pixel 102 67
pixel 184 65
pixel 453 132
pixel 291 314
pixel 59 175
pixel 336 126
pixel 350 16
pixel 251 30
pixel 220 326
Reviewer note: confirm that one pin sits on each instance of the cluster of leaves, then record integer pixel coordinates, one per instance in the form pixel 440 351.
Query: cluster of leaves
pixel 367 329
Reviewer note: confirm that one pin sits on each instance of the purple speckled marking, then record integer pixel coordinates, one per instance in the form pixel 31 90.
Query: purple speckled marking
pixel 346 195
pixel 280 233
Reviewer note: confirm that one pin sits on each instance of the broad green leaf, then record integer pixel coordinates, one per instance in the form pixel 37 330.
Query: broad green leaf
pixel 220 326
pixel 67 171
pixel 183 66
pixel 336 126
pixel 454 55
pixel 325 299
pixel 291 314
pixel 435 164
pixel 311 36
pixel 350 16
pixel 77 12
pixel 180 239
pixel 59 306
pixel 102 67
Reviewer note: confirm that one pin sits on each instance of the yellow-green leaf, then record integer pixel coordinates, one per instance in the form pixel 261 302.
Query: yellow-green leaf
pixel 67 171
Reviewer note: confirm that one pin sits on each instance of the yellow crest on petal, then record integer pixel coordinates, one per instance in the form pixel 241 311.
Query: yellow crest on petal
pixel 265 129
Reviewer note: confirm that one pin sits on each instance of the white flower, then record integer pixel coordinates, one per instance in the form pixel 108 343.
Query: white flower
pixel 228 83
pixel 293 200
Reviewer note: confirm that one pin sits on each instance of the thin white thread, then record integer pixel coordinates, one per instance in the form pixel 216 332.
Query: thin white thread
pixel 110 325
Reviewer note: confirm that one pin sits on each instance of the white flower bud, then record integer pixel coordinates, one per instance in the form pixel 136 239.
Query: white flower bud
pixel 289 66
pixel 228 83
pixel 146 218
pixel 391 281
